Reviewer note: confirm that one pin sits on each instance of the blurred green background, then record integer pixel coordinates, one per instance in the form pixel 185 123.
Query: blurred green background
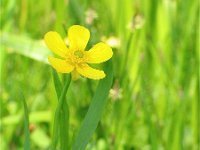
pixel 154 100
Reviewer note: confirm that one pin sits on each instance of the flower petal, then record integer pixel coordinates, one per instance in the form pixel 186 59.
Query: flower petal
pixel 87 71
pixel 100 52
pixel 55 43
pixel 78 37
pixel 60 65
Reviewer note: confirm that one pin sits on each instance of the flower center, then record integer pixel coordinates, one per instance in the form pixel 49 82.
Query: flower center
pixel 76 57
pixel 78 54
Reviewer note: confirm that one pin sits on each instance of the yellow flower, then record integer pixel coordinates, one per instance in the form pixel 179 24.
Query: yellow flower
pixel 74 58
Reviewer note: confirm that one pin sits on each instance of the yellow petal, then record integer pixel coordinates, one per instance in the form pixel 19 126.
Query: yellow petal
pixel 55 43
pixel 78 37
pixel 100 52
pixel 87 71
pixel 60 65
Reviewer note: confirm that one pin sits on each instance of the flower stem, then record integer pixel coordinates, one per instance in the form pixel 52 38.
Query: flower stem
pixel 61 120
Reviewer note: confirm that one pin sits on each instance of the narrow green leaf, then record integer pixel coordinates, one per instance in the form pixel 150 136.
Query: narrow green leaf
pixel 57 83
pixel 61 119
pixel 64 114
pixel 58 88
pixel 94 113
pixel 55 131
pixel 64 126
pixel 26 124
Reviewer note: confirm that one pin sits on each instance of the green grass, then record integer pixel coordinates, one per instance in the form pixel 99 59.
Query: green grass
pixel 155 104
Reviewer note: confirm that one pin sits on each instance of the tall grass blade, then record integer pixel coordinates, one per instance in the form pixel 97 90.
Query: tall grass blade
pixel 64 126
pixel 26 124
pixel 61 122
pixel 94 113
pixel 57 83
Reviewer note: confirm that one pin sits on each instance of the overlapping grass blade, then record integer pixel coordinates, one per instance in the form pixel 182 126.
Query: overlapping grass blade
pixel 94 113
pixel 26 124
pixel 58 88
pixel 64 126
pixel 61 122
pixel 57 83
pixel 64 112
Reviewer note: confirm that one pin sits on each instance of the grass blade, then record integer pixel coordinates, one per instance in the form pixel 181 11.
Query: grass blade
pixel 94 113
pixel 26 124
pixel 58 88
pixel 57 83
pixel 62 114
pixel 64 126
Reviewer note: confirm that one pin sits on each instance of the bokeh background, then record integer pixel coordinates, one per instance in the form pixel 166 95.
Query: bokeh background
pixel 154 100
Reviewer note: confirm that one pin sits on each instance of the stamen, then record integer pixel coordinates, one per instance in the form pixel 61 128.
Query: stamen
pixel 78 53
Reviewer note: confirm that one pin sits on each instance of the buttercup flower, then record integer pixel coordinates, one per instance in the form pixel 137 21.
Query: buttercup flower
pixel 74 58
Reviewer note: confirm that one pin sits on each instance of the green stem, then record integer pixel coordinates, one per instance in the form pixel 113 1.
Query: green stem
pixel 61 121
pixel 26 124
pixel 64 127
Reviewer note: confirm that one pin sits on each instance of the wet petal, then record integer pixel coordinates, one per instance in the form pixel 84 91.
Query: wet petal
pixel 89 72
pixel 55 43
pixel 100 52
pixel 60 65
pixel 78 37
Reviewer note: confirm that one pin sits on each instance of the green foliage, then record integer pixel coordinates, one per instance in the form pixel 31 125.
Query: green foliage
pixel 26 124
pixel 95 110
pixel 61 120
pixel 154 100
